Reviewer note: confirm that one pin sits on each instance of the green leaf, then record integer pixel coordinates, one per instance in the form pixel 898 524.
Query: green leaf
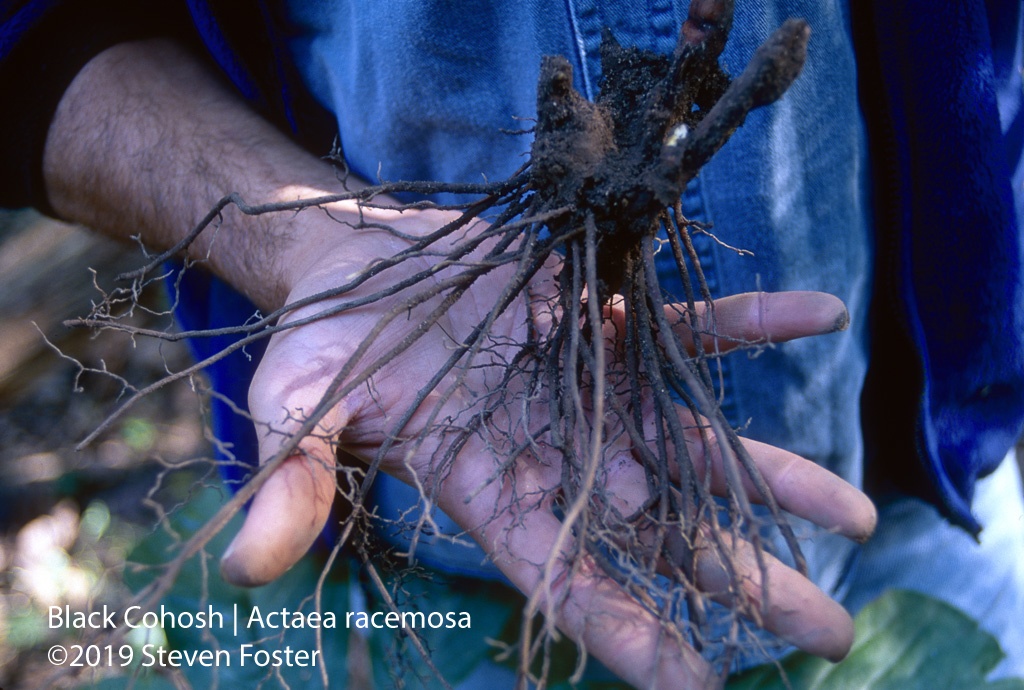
pixel 905 640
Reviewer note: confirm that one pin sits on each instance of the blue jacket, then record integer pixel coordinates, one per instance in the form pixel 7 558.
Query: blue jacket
pixel 946 383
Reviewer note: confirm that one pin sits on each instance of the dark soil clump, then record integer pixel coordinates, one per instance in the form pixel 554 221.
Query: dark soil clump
pixel 626 158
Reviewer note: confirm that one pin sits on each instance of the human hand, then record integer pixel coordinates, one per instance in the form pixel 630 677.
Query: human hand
pixel 96 180
pixel 509 509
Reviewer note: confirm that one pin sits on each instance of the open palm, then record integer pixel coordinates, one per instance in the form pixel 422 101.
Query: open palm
pixel 431 383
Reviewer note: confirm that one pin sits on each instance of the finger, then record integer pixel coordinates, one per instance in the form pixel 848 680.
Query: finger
pixel 791 607
pixel 798 485
pixel 285 518
pixel 810 491
pixel 794 608
pixel 290 510
pixel 534 549
pixel 754 318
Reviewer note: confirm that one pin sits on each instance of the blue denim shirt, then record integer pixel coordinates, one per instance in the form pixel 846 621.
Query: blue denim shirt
pixel 420 94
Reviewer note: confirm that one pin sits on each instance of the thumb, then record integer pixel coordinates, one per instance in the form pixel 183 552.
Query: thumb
pixel 290 510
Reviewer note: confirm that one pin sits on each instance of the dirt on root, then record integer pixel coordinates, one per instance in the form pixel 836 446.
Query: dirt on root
pixel 625 159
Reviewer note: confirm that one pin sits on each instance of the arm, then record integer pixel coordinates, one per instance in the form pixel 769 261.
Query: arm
pixel 145 141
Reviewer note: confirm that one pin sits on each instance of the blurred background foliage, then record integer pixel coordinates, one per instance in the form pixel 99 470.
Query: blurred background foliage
pixel 69 518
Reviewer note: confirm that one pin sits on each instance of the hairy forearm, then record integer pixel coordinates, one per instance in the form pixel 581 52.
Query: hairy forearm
pixel 144 143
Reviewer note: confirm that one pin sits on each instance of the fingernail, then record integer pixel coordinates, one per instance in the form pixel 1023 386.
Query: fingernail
pixel 842 322
pixel 234 571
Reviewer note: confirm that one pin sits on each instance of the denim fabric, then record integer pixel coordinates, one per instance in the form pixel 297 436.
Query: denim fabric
pixel 943 89
pixel 420 94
